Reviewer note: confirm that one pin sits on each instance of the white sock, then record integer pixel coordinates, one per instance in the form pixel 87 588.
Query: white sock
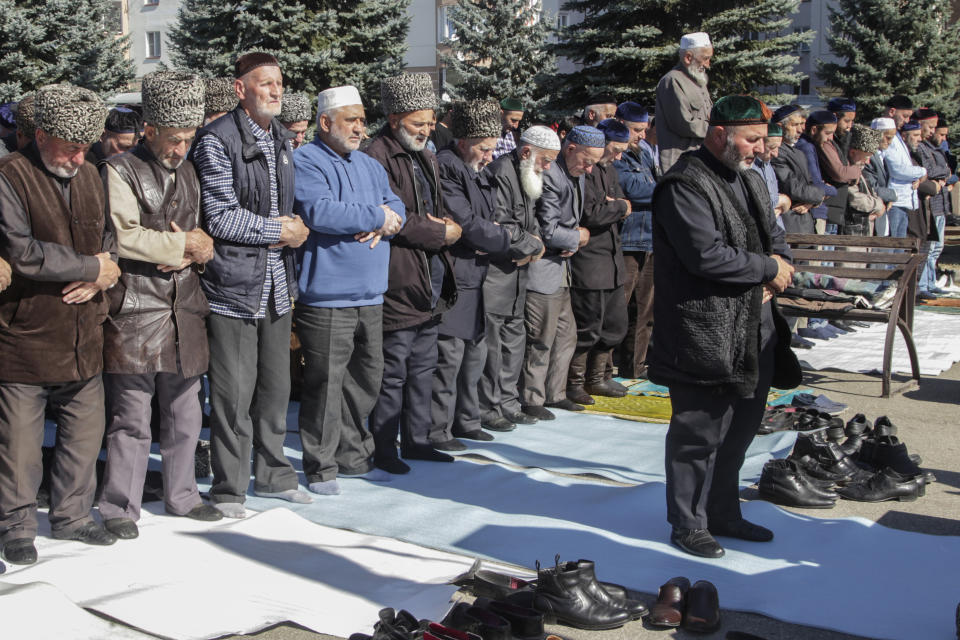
pixel 374 475
pixel 231 509
pixel 290 495
pixel 327 488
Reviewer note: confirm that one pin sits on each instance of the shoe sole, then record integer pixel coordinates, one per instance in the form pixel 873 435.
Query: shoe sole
pixel 552 619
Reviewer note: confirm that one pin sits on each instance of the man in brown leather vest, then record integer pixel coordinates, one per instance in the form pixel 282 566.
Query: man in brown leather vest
pixel 155 341
pixel 53 233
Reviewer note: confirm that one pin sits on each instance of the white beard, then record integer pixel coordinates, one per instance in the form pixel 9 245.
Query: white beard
pixel 699 75
pixel 408 141
pixel 731 158
pixel 530 181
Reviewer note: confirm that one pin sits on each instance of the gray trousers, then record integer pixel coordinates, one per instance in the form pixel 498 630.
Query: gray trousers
pixel 499 386
pixel 343 354
pixel 128 399
pixel 249 393
pixel 455 401
pixel 551 341
pixel 78 412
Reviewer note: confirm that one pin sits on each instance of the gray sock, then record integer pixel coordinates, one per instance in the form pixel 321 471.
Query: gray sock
pixel 326 488
pixel 374 475
pixel 231 509
pixel 290 495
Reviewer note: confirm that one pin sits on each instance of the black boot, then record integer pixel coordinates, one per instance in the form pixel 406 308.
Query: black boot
pixel 611 594
pixel 783 485
pixel 562 598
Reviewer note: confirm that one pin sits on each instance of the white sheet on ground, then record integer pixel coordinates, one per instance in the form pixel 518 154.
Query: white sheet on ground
pixel 185 579
pixel 934 335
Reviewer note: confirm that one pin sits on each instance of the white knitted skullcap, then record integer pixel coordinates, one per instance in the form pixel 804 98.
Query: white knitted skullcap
pixel 542 137
pixel 882 124
pixel 695 41
pixel 338 97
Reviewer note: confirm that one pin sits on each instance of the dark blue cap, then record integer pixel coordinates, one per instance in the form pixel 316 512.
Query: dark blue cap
pixel 614 130
pixel 7 117
pixel 821 117
pixel 785 112
pixel 838 105
pixel 632 112
pixel 587 136
pixel 913 125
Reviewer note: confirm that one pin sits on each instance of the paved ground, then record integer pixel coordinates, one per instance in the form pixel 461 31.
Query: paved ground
pixel 928 419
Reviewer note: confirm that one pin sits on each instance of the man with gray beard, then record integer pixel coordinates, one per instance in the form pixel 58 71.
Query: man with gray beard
pixel 517 179
pixel 719 339
pixel 793 172
pixel 683 100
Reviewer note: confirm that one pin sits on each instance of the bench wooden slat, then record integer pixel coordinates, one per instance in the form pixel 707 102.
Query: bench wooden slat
pixel 853 241
pixel 857 273
pixel 869 257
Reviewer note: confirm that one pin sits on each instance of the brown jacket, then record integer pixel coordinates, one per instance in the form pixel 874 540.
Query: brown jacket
pixel 42 339
pixel 408 300
pixel 156 318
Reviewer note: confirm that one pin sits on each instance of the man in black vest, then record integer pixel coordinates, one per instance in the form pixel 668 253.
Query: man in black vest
pixel 718 337
pixel 156 343
pixel 245 166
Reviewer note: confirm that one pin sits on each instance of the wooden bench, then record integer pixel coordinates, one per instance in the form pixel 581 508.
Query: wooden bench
pixel 862 261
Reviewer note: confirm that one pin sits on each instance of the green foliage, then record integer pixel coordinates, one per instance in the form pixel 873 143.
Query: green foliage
pixel 895 47
pixel 499 51
pixel 626 46
pixel 60 41
pixel 319 43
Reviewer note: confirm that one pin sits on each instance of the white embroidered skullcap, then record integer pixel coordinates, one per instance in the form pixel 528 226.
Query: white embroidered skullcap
pixel 882 124
pixel 695 41
pixel 542 137
pixel 338 97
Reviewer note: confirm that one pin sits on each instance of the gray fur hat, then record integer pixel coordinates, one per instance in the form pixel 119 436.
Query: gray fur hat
pixel 70 113
pixel 172 99
pixel 407 92
pixel 219 96
pixel 476 119
pixel 865 139
pixel 27 115
pixel 296 107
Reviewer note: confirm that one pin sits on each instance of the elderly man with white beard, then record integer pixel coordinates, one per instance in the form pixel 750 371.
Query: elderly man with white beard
pixel 518 183
pixel 719 338
pixel 683 100
pixel 246 175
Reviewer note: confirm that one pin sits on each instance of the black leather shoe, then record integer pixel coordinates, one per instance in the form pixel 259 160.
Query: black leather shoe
pixel 741 529
pixel 782 484
pixel 425 453
pixel 395 466
pixel 477 620
pixel 538 412
pixel 561 597
pixel 520 418
pixel 89 533
pixel 703 608
pixel 124 528
pixel 611 594
pixel 610 382
pixel 885 485
pixel 883 427
pixel 479 434
pixel 566 404
pixel 204 513
pixel 449 445
pixel 579 396
pixel 20 551
pixel 500 424
pixel 605 389
pixel 696 542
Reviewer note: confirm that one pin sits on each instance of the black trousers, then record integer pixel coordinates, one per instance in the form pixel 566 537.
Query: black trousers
pixel 638 290
pixel 403 406
pixel 456 404
pixel 709 434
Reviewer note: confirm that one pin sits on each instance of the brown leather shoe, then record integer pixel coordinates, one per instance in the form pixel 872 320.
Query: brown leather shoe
pixel 703 608
pixel 668 610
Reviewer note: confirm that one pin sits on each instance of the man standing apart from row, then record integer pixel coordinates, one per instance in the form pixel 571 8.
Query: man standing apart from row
pixel 683 100
pixel 155 343
pixel 345 199
pixel 719 339
pixel 53 232
pixel 246 174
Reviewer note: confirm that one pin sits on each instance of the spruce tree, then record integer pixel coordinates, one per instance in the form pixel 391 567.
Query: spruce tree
pixel 888 48
pixel 627 45
pixel 319 43
pixel 44 42
pixel 499 50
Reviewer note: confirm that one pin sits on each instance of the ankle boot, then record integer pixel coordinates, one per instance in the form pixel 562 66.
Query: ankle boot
pixel 611 594
pixel 562 598
pixel 577 373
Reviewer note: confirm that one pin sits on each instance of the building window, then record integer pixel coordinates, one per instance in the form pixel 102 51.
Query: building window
pixel 153 44
pixel 562 20
pixel 804 87
pixel 445 25
pixel 151 3
pixel 113 21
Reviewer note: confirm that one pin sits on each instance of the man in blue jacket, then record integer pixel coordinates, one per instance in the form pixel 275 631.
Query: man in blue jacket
pixel 638 177
pixel 461 347
pixel 344 197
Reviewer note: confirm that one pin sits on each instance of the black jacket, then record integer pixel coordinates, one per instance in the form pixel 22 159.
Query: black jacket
pixel 599 263
pixel 793 176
